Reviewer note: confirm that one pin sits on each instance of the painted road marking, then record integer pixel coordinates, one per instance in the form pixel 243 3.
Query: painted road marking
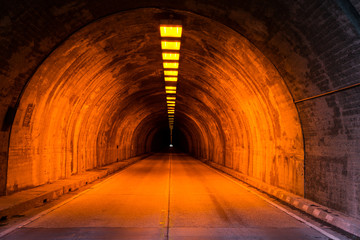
pixel 329 235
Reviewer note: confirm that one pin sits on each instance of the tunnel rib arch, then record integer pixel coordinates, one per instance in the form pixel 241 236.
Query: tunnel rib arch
pixel 94 95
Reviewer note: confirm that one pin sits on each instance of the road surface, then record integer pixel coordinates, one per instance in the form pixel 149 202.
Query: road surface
pixel 166 196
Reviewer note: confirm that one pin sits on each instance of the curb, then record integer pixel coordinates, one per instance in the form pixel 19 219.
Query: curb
pixel 333 217
pixel 19 202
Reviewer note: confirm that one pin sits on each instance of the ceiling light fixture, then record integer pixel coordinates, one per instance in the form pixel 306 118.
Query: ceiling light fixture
pixel 170 65
pixel 170 30
pixel 172 73
pixel 170 56
pixel 170 45
pixel 170 79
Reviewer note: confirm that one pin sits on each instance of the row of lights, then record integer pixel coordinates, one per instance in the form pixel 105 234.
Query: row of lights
pixel 170 32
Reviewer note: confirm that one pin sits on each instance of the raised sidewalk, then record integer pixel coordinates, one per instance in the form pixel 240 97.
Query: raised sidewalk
pixel 17 203
pixel 333 217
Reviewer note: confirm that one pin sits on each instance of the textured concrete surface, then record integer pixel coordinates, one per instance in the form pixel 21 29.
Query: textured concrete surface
pixel 331 216
pixel 19 202
pixel 166 197
pixel 97 109
pixel 312 45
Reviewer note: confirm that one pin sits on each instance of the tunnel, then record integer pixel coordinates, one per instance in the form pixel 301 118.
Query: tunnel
pixel 267 91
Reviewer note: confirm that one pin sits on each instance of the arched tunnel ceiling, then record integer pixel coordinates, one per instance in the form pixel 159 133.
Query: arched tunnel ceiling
pixel 313 44
pixel 98 87
pixel 285 32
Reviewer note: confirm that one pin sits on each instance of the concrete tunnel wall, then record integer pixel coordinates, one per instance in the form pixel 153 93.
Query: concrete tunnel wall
pixel 89 96
pixel 308 48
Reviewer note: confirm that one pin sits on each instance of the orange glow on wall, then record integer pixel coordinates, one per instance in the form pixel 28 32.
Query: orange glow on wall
pixel 170 65
pixel 170 56
pixel 170 79
pixel 170 45
pixel 170 30
pixel 173 73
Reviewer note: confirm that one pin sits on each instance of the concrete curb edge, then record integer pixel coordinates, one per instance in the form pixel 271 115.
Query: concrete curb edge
pixel 38 196
pixel 333 217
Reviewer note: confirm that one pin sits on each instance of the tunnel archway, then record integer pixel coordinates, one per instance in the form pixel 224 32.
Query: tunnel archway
pixel 99 98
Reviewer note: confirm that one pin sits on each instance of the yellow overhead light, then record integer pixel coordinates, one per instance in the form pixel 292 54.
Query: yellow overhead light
pixel 170 45
pixel 170 87
pixel 172 73
pixel 170 79
pixel 170 30
pixel 171 65
pixel 170 56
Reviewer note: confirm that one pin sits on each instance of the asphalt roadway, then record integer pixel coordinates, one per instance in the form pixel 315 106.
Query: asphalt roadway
pixel 166 196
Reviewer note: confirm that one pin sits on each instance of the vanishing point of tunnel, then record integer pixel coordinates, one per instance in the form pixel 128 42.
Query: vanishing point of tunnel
pixel 260 95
